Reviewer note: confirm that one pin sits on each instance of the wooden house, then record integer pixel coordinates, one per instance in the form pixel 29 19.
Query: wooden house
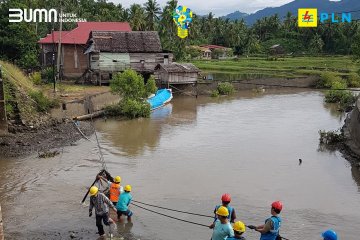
pixel 73 61
pixel 176 73
pixel 114 51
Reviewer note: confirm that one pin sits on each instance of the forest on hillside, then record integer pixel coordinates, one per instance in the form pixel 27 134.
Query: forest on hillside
pixel 18 41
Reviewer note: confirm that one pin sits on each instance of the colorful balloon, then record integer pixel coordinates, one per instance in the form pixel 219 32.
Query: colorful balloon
pixel 182 16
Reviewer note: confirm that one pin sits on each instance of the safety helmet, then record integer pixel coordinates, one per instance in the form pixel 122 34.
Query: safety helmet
pixel 127 188
pixel 226 197
pixel 117 179
pixel 239 227
pixel 93 191
pixel 222 211
pixel 329 235
pixel 277 205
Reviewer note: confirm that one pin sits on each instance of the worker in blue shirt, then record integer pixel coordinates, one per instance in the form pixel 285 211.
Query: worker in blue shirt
pixel 222 227
pixel 225 200
pixel 270 230
pixel 122 205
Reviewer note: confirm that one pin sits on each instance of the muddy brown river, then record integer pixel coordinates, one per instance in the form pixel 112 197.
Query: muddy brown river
pixel 185 157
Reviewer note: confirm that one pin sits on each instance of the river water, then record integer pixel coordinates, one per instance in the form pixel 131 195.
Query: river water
pixel 185 157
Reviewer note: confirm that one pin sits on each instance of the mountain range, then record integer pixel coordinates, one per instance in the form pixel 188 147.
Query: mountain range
pixel 322 6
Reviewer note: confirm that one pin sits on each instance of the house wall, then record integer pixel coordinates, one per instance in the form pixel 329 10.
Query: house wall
pixel 180 78
pixel 150 60
pixel 175 78
pixel 111 62
pixel 74 61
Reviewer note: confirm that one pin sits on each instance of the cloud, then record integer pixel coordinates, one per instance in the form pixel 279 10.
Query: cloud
pixel 218 7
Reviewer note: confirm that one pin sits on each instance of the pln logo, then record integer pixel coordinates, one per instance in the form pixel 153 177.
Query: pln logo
pixel 308 17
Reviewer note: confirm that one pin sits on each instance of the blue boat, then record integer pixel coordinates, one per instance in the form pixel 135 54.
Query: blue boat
pixel 162 97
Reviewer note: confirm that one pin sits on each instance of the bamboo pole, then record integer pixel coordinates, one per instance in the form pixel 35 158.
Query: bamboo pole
pixel 1 226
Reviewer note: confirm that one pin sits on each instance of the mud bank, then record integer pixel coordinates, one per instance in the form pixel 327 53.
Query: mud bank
pixel 352 130
pixel 22 140
pixel 206 87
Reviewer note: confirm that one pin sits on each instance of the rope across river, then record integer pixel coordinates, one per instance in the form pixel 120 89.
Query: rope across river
pixel 179 211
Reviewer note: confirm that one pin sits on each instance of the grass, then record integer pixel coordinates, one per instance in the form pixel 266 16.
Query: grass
pixel 14 75
pixel 285 67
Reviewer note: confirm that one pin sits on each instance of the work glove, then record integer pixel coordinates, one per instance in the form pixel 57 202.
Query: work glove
pixel 90 213
pixel 251 227
pixel 212 226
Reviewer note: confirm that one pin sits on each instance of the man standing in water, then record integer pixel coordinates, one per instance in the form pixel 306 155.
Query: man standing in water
pixel 101 204
pixel 270 230
pixel 222 226
pixel 225 199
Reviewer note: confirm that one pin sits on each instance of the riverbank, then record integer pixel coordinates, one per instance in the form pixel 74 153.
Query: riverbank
pixel 23 140
pixel 352 130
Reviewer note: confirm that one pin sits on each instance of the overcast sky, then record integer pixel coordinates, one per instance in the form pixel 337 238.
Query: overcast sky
pixel 218 7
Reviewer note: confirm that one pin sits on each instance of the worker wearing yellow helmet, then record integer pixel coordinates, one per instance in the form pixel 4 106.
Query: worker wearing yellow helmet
pixel 101 204
pixel 239 228
pixel 222 229
pixel 122 205
pixel 115 189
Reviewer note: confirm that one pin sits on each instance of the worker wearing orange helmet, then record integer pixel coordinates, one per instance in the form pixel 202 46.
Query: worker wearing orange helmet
pixel 225 199
pixel 270 230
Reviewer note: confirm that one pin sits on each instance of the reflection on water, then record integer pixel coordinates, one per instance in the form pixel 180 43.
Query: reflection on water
pixel 161 113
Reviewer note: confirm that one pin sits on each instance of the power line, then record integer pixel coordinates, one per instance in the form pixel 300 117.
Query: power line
pixel 174 210
pixel 179 219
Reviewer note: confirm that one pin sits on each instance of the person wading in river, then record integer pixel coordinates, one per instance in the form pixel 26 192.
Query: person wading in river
pixel 222 227
pixel 101 204
pixel 225 199
pixel 239 229
pixel 270 230
pixel 115 189
pixel 123 204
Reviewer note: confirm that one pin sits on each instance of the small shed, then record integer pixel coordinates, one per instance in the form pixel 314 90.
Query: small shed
pixel 277 49
pixel 176 73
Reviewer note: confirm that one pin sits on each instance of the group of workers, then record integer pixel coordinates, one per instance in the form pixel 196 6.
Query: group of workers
pixel 225 216
pixel 119 200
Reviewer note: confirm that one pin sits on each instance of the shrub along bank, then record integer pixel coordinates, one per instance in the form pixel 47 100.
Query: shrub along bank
pixel 133 91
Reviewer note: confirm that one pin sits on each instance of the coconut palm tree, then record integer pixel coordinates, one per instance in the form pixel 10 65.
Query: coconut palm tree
pixel 152 11
pixel 137 17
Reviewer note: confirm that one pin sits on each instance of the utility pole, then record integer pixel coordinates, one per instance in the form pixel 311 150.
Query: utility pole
pixel 53 59
pixel 59 45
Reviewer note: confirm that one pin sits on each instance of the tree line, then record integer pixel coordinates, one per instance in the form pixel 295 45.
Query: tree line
pixel 18 41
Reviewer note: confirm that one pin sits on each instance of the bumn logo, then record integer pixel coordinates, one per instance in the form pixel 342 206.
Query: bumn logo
pixel 307 17
pixel 32 15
